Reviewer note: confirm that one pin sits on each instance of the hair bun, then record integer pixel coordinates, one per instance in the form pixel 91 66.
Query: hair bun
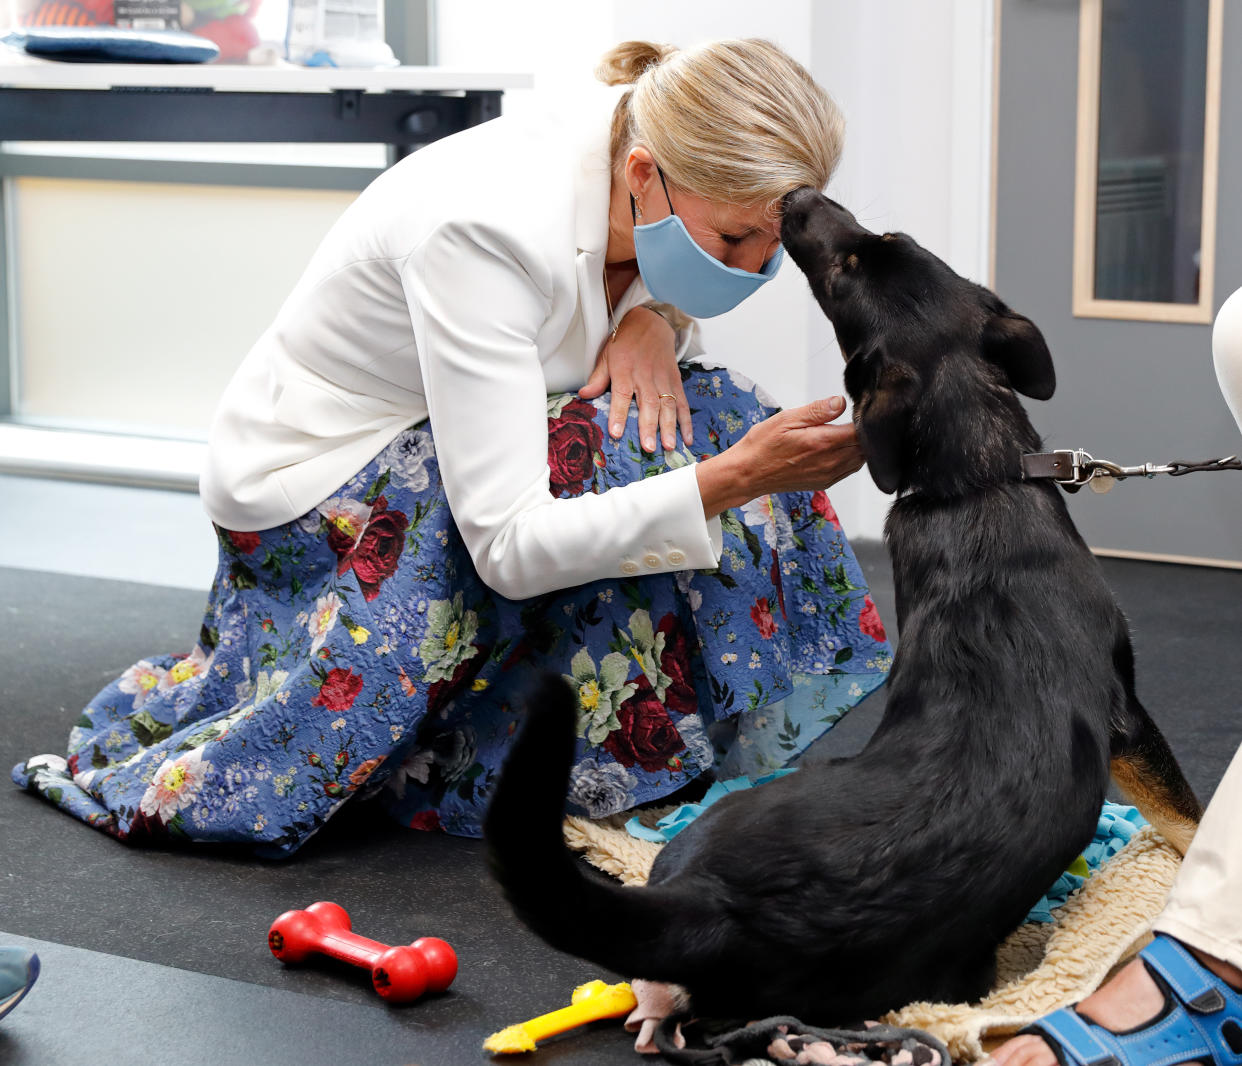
pixel 626 63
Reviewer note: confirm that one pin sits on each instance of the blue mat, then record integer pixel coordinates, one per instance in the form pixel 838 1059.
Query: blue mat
pixel 1116 825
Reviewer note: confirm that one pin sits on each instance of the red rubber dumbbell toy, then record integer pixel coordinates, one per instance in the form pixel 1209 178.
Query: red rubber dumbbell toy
pixel 400 974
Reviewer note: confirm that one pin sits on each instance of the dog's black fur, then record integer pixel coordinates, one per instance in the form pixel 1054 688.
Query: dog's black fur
pixel 858 885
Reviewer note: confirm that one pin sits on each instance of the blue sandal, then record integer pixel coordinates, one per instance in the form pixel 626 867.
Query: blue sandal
pixel 1201 1020
pixel 18 970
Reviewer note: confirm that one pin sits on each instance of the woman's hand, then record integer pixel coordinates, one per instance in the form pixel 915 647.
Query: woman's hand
pixel 641 362
pixel 795 450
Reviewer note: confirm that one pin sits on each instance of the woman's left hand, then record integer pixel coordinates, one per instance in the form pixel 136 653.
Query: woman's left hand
pixel 641 362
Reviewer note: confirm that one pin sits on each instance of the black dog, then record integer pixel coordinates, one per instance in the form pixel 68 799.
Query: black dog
pixel 859 885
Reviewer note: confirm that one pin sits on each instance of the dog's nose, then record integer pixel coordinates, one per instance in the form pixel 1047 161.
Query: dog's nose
pixel 796 205
pixel 799 199
pixel 802 206
pixel 797 210
pixel 821 220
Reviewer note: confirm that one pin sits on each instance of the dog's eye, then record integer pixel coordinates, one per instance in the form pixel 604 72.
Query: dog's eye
pixel 851 261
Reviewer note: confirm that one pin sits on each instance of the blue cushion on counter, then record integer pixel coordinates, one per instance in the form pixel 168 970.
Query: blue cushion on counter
pixel 107 44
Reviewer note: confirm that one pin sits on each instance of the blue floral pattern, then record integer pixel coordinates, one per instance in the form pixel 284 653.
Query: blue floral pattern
pixel 356 652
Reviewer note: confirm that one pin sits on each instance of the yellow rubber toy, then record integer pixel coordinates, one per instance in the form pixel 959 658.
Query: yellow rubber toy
pixel 589 1003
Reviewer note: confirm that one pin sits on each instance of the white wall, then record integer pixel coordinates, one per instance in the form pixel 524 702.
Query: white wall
pixel 914 80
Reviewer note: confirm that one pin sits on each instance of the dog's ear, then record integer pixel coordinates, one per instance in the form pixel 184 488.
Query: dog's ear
pixel 1013 342
pixel 885 392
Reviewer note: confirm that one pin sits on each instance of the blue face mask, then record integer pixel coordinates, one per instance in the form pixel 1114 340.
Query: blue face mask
pixel 677 271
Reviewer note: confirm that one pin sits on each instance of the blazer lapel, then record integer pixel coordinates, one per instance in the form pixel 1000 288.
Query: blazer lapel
pixel 590 268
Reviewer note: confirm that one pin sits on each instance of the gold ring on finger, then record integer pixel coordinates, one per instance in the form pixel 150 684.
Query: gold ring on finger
pixel 668 396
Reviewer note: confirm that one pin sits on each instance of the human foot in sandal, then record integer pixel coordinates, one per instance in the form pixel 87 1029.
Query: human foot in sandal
pixel 18 970
pixel 1166 1007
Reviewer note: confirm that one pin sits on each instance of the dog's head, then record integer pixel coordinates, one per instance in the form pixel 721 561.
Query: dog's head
pixel 932 359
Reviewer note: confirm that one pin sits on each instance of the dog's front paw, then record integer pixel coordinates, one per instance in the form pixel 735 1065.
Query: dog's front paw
pixel 656 1001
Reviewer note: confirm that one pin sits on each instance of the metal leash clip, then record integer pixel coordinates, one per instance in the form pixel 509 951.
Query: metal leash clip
pixel 1072 469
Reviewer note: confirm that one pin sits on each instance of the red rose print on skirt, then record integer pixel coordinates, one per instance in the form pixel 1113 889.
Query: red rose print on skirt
pixel 822 506
pixel 573 441
pixel 647 735
pixel 374 550
pixel 339 690
pixel 869 620
pixel 675 662
pixel 243 542
pixel 761 615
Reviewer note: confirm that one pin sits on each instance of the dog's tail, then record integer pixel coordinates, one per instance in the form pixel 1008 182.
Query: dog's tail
pixel 626 930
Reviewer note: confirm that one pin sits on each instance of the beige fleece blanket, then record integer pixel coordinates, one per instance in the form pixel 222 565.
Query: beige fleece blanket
pixel 1040 967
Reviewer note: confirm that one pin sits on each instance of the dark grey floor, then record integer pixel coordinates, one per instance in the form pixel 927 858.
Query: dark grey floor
pixel 110 1010
pixel 209 989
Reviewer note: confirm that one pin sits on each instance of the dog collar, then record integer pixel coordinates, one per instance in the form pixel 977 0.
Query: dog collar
pixel 1067 468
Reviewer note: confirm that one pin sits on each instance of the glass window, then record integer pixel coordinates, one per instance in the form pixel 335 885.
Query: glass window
pixel 1148 106
pixel 1149 189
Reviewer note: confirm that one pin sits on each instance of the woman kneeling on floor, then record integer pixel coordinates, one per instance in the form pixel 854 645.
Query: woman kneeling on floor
pixel 430 485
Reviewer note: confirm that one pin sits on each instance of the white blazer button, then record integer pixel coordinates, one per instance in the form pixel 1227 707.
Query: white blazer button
pixel 629 567
pixel 652 560
pixel 676 558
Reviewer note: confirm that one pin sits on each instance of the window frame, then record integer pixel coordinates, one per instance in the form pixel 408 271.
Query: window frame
pixel 1085 303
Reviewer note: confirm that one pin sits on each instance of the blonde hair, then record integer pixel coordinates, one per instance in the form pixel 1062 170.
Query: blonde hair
pixel 734 121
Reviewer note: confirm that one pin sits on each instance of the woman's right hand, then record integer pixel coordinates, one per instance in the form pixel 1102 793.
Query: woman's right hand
pixel 795 450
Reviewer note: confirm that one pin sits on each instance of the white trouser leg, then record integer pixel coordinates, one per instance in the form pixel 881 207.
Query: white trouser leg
pixel 1205 907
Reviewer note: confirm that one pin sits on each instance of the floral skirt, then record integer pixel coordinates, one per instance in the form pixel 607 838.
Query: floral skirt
pixel 355 652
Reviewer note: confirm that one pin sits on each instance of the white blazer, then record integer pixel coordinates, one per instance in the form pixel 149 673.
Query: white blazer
pixel 465 284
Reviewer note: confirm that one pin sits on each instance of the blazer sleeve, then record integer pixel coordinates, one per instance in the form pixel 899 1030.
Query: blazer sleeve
pixel 477 307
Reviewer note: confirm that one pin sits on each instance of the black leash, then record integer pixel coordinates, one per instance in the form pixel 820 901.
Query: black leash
pixel 1072 469
pixel 879 1045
